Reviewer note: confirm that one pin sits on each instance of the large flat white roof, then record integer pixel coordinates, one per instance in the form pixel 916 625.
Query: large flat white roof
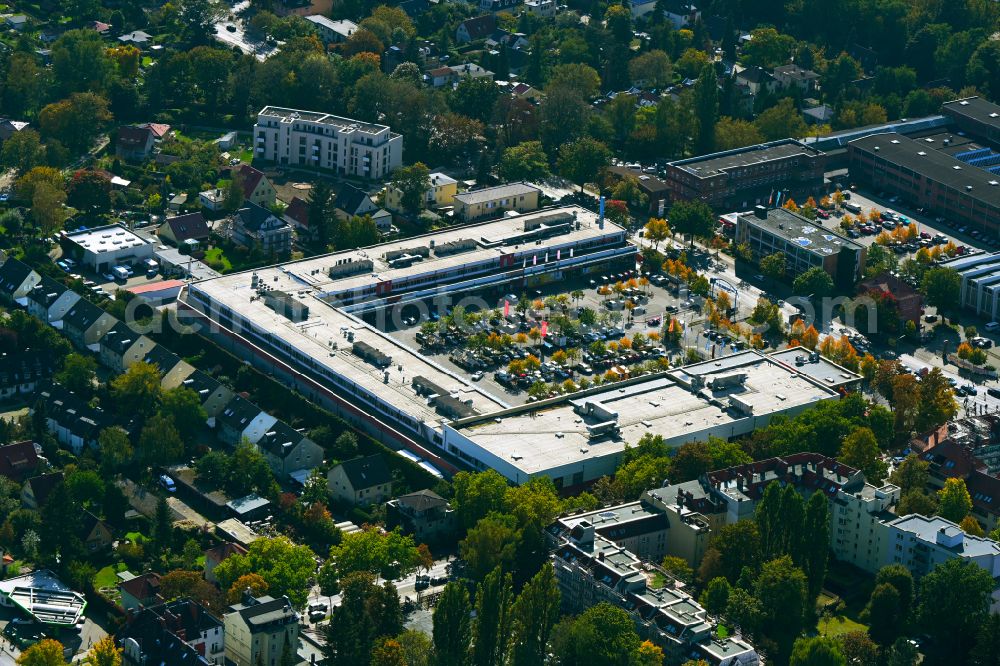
pixel 558 433
pixel 110 238
pixel 323 337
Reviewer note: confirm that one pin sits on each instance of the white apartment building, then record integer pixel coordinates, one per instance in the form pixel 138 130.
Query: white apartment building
pixel 920 544
pixel 322 141
pixel 857 524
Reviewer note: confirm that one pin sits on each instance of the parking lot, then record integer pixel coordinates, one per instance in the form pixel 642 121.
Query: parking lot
pixel 594 317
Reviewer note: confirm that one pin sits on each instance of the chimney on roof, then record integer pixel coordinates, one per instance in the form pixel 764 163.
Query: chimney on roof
pixel 760 211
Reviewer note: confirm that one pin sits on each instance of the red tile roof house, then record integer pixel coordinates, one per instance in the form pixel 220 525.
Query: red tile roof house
pixel 140 591
pixel 18 460
pixel 214 556
pixel 256 187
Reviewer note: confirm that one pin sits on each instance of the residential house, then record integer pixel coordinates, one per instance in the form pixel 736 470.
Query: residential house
pixel 474 29
pixel 424 514
pixel 99 27
pixel 497 5
pixel 793 76
pixel 134 144
pixel 177 202
pixel 94 533
pixel 9 128
pixel 50 301
pixel 121 347
pixel 162 359
pixel 140 591
pixel 213 199
pixel 440 193
pixel 494 201
pixel 22 372
pixel 756 79
pixel 137 38
pixel 17 22
pixel 969 452
pixel 361 481
pixel 258 226
pixel 85 324
pixel 821 114
pixel 256 187
pixel 921 543
pixel 332 32
pixel 681 14
pixel 303 7
pixel 181 631
pixel 181 229
pixel 541 8
pixel 287 450
pixel 215 556
pixel 214 395
pixel 36 490
pixel 297 214
pixel 351 201
pixel 439 77
pixel 159 130
pixel 16 280
pixel 72 421
pixel 241 419
pixel 261 630
pixel 522 90
pixel 469 70
pixel 18 460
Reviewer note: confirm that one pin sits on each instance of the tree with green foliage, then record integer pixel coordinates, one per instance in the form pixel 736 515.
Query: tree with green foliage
pixel 732 548
pixel 814 282
pixel 954 501
pixel 987 649
pixel 886 616
pixel 46 652
pixel 78 374
pixel 387 554
pixel 526 161
pixel 492 542
pixel 75 121
pixel 535 613
pixel 367 612
pixel 491 630
pixel 954 603
pixel 816 651
pixel 937 402
pixel 583 160
pixel 814 548
pixel 285 566
pixel 319 213
pixel 941 287
pixel 160 442
pixel 23 151
pixel 781 121
pixel 137 390
pixel 706 104
pixel 452 631
pixel 715 598
pixel 782 591
pixel 603 635
pixel 477 495
pixel 860 450
pixel 773 265
pixel 917 501
pixel 183 405
pixel 163 525
pixel 911 474
pixel 412 182
pixel 692 218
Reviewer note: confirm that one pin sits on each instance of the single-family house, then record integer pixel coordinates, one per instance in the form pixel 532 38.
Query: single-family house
pixel 494 201
pixel 287 450
pixel 121 347
pixel 241 419
pixel 36 490
pixel 255 225
pixel 439 77
pixel 140 591
pixel 256 187
pixel 213 200
pixel 17 22
pixel 137 38
pixel 99 27
pixel 94 533
pixel 215 556
pixel 821 114
pixel 361 481
pixel 134 144
pixel 85 324
pixel 351 201
pixel 16 280
pixel 183 228
pixel 541 8
pixel 424 514
pixel 9 128
pixel 50 301
pixel 474 29
pixel 793 76
pixel 18 460
pixel 756 79
pixel 297 214
pixel 440 192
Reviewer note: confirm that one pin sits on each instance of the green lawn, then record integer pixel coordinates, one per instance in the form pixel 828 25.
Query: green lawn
pixel 218 260
pixel 107 577
pixel 136 537
pixel 837 625
pixel 146 61
pixel 659 580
